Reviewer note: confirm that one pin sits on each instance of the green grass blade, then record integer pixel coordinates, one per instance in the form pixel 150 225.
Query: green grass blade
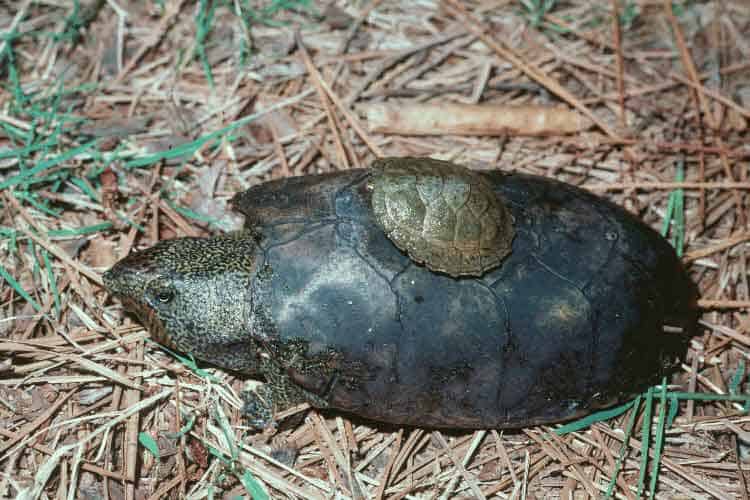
pixel 616 411
pixel 668 215
pixel 189 362
pixel 659 439
pixel 185 428
pixel 218 454
pixel 27 150
pixel 645 439
pixel 13 243
pixel 80 231
pixel 186 149
pixel 203 28
pixel 149 443
pixel 19 290
pixel 678 238
pixel 599 416
pixel 253 486
pixel 46 164
pixel 37 266
pixel 15 84
pixel 226 429
pixel 84 186
pixel 15 134
pixel 52 283
pixel 675 215
pixel 737 378
pixel 674 408
pixel 196 216
pixel 624 447
pixel 189 148
pixel 32 200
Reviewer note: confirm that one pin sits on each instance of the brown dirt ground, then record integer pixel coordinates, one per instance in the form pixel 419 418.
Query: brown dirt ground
pixel 664 88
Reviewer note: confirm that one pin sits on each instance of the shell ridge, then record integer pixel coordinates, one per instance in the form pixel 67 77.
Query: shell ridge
pixel 612 247
pixel 337 229
pixel 300 234
pixel 552 271
pixel 590 315
pixel 499 392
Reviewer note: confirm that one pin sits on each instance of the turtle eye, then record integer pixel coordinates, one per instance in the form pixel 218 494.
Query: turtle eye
pixel 160 291
pixel 164 296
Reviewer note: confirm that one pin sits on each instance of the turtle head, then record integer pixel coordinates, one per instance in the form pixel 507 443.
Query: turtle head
pixel 193 294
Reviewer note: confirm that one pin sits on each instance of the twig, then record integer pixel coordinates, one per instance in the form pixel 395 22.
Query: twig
pixel 660 87
pixel 474 119
pixel 63 256
pixel 353 121
pixel 689 65
pixel 687 61
pixel 389 62
pixel 356 25
pixel 316 78
pixel 132 397
pixel 49 451
pixel 533 72
pixel 617 35
pixel 684 146
pixel 701 89
pixel 37 422
pixel 20 14
pixel 460 469
pixel 395 449
pixel 723 304
pixel 151 42
pixel 621 186
pixel 279 148
pixel 46 470
pixel 728 243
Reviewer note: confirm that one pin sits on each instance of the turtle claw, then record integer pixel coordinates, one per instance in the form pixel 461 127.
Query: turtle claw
pixel 285 454
pixel 258 406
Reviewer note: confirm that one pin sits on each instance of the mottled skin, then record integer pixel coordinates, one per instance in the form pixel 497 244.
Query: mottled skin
pixel 194 295
pixel 319 301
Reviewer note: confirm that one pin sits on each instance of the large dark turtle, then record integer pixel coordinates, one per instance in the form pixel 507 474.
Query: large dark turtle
pixel 317 299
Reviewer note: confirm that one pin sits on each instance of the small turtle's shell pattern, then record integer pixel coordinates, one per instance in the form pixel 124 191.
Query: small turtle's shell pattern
pixel 441 214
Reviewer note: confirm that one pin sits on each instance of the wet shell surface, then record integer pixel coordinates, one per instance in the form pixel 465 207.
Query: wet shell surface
pixel 442 215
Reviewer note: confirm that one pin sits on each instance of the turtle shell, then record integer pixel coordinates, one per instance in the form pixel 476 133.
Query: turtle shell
pixel 442 215
pixel 569 322
pixel 319 300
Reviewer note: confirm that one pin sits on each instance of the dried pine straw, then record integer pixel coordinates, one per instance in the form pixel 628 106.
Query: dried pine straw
pixel 123 123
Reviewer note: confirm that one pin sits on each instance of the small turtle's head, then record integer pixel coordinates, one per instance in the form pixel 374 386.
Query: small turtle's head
pixel 193 294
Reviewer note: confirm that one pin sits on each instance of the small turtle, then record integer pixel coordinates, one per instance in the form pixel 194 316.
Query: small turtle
pixel 421 293
pixel 443 215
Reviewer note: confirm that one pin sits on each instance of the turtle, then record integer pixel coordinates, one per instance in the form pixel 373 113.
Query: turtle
pixel 554 303
pixel 443 215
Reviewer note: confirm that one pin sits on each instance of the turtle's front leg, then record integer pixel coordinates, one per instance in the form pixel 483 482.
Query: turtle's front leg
pixel 259 404
pixel 263 401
